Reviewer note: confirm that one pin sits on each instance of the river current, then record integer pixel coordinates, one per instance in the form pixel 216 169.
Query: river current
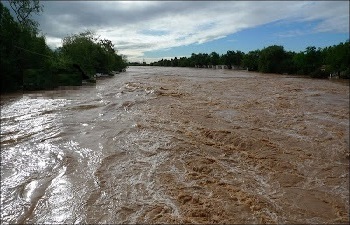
pixel 178 145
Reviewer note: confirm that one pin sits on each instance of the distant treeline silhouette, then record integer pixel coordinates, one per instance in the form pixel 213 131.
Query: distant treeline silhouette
pixel 315 62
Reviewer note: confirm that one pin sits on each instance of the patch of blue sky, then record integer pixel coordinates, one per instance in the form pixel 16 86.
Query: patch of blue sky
pixel 185 50
pixel 293 36
pixel 299 35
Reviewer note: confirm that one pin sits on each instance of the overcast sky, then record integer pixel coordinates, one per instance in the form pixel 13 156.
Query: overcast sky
pixel 152 30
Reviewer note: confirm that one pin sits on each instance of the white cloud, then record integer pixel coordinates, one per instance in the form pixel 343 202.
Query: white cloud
pixel 182 23
pixel 333 16
pixel 53 42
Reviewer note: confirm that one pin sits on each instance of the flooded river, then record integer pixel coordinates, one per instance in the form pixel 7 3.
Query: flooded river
pixel 178 145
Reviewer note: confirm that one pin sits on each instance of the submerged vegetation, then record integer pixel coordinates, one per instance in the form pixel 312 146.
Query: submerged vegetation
pixel 27 62
pixel 317 63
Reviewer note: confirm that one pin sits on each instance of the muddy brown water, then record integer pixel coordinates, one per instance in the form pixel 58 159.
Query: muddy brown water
pixel 178 145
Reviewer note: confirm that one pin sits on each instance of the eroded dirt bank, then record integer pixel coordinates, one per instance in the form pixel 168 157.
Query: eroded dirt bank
pixel 174 145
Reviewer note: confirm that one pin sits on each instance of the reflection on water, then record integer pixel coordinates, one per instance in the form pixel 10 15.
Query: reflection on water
pixel 178 145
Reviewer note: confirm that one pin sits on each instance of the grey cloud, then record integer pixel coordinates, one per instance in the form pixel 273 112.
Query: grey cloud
pixel 80 14
pixel 146 26
pixel 133 46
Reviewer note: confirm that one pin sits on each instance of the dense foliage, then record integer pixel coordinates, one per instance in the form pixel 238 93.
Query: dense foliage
pixel 318 63
pixel 18 43
pixel 27 63
pixel 91 54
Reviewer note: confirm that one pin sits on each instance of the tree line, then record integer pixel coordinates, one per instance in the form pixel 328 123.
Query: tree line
pixel 28 63
pixel 314 62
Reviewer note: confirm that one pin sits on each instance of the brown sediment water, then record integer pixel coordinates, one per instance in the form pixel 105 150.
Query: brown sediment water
pixel 178 145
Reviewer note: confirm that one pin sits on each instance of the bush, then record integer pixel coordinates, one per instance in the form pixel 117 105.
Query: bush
pixel 38 79
pixel 69 79
pixel 319 74
pixel 345 74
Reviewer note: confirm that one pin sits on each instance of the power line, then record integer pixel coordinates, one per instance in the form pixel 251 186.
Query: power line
pixel 32 52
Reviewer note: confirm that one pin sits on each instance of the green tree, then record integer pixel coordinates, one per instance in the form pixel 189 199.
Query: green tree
pixel 81 49
pixel 300 63
pixel 314 62
pixel 121 62
pixel 21 50
pixel 337 59
pixel 184 62
pixel 232 58
pixel 11 78
pixel 251 59
pixel 313 59
pixel 215 59
pixel 174 62
pixel 271 59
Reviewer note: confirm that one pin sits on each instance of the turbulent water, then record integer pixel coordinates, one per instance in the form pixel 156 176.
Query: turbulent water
pixel 178 145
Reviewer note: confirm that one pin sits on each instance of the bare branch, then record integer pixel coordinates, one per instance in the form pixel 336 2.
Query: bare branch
pixel 24 9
